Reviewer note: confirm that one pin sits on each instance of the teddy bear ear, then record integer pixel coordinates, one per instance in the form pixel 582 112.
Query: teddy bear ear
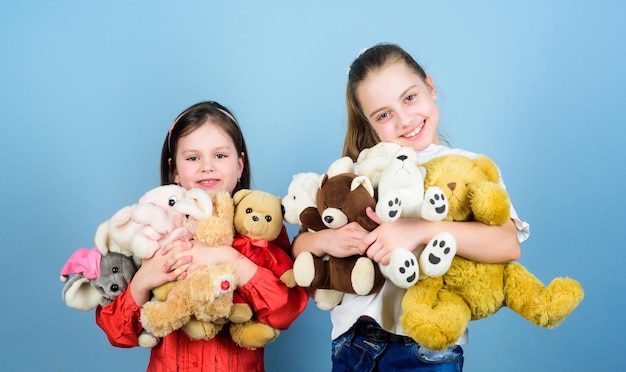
pixel 488 167
pixel 341 165
pixel 323 180
pixel 239 195
pixel 362 181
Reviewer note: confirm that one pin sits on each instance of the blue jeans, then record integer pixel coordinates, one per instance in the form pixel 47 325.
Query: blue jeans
pixel 355 352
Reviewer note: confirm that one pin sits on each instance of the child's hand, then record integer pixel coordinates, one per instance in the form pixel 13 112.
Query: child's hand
pixel 167 264
pixel 178 259
pixel 201 254
pixel 406 233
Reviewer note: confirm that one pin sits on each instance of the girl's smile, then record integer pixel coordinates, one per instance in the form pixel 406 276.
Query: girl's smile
pixel 400 106
pixel 207 158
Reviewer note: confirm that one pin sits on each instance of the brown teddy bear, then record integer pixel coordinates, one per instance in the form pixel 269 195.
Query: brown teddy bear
pixel 258 221
pixel 203 302
pixel 341 199
pixel 436 311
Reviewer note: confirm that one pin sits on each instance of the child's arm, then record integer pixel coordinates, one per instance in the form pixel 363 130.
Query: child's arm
pixel 120 320
pixel 342 242
pixel 475 240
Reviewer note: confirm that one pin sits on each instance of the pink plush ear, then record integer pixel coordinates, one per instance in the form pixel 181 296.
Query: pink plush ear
pixel 84 261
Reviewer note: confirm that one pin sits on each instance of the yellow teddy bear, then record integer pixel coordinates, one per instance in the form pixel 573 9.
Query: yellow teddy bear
pixel 436 311
pixel 202 303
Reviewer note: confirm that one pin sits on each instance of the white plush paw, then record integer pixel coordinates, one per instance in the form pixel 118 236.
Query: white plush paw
pixel 363 274
pixel 437 256
pixel 403 268
pixel 304 269
pixel 389 207
pixel 435 205
pixel 147 340
pixel 327 299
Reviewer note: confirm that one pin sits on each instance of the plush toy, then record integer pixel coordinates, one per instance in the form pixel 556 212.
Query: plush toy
pixel 342 197
pixel 95 279
pixel 436 311
pixel 201 303
pixel 140 229
pixel 96 276
pixel 340 200
pixel 401 193
pixel 301 194
pixel 258 221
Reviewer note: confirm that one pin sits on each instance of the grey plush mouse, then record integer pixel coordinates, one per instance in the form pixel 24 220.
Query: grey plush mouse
pixel 97 278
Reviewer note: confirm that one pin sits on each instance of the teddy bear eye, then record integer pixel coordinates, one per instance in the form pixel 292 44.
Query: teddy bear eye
pixel 172 200
pixel 268 218
pixel 248 210
pixel 115 269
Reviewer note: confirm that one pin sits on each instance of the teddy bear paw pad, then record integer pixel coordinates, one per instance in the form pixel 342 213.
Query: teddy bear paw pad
pixel 403 268
pixel 435 206
pixel 437 256
pixel 389 208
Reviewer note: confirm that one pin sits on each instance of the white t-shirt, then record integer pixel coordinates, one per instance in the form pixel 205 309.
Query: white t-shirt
pixel 385 305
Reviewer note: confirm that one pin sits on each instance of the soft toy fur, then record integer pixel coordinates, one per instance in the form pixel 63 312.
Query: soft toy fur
pixel 436 311
pixel 95 279
pixel 258 221
pixel 141 228
pixel 341 198
pixel 98 276
pixel 401 193
pixel 203 302
pixel 301 194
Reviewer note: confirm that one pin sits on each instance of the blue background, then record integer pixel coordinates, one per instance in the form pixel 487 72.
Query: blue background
pixel 88 90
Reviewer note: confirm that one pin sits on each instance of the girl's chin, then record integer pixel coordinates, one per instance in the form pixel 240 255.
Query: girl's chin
pixel 417 144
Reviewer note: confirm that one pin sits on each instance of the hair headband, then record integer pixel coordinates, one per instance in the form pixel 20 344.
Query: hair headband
pixel 169 132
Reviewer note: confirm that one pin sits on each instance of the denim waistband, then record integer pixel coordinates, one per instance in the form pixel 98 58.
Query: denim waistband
pixel 368 328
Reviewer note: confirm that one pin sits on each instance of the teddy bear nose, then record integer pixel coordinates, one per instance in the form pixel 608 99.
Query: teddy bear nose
pixel 402 157
pixel 329 219
pixel 115 288
pixel 452 186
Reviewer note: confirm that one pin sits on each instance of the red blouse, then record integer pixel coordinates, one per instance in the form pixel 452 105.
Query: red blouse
pixel 272 302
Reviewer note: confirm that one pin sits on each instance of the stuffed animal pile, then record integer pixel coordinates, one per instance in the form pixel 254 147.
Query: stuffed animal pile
pixel 203 303
pixel 451 290
pixel 436 311
pixel 341 197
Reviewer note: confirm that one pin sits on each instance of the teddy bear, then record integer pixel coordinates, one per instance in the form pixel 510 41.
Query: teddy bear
pixel 436 311
pixel 258 221
pixel 301 194
pixel 203 302
pixel 399 182
pixel 339 200
pixel 139 229
pixel 341 197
